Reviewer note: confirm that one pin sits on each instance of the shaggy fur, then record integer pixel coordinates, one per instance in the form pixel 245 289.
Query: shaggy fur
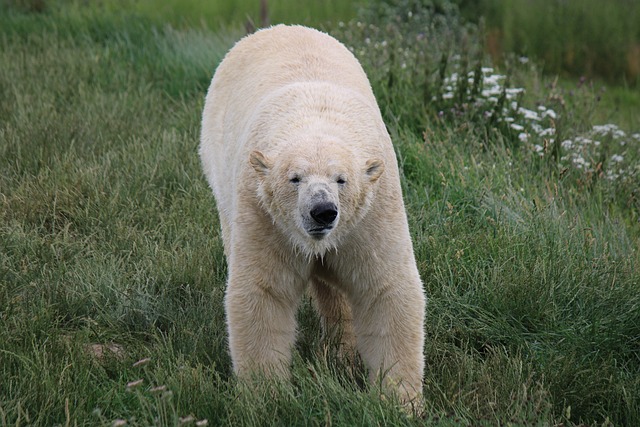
pixel 307 188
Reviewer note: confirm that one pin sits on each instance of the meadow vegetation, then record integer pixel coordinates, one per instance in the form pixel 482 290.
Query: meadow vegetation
pixel 522 193
pixel 588 37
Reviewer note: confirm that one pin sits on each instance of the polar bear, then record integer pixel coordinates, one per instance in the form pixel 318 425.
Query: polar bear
pixel 307 188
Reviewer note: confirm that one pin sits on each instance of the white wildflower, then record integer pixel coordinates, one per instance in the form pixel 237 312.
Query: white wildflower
pixel 529 114
pixel 536 127
pixel 605 129
pixel 583 141
pixel 567 144
pixel 514 91
pixel 523 59
pixel 547 132
pixel 516 126
pixel 617 158
pixel 580 163
pixel 492 91
pixel 523 137
pixel 549 113
pixel 619 133
pixel 612 176
pixel 493 79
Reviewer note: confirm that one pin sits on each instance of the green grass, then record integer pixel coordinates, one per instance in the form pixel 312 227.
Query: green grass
pixel 582 38
pixel 110 252
pixel 190 13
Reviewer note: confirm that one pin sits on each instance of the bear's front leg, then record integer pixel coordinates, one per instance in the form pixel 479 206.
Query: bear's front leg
pixel 261 303
pixel 389 325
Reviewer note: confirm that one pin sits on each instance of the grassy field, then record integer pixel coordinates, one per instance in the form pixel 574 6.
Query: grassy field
pixel 524 207
pixel 190 13
pixel 584 38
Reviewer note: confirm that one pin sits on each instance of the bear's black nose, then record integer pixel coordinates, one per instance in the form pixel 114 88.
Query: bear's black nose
pixel 324 213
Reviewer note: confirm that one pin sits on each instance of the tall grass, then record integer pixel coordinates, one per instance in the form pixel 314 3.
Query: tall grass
pixel 583 38
pixel 218 13
pixel 313 12
pixel 112 269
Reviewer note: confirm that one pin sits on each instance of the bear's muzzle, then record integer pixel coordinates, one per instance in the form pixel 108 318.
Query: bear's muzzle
pixel 324 216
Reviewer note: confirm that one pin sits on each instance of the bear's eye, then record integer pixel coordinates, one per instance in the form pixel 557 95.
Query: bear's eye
pixel 295 179
pixel 341 181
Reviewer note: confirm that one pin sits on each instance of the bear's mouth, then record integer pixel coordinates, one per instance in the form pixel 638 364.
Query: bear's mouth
pixel 319 232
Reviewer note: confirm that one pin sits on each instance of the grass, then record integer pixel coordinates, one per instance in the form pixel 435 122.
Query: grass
pixel 194 13
pixel 589 37
pixel 110 253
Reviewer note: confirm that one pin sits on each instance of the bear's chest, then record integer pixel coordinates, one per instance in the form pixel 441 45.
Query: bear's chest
pixel 325 270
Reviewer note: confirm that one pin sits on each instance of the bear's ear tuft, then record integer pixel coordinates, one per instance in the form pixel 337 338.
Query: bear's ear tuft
pixel 374 169
pixel 259 162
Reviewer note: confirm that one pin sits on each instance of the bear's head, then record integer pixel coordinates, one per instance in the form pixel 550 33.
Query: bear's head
pixel 316 193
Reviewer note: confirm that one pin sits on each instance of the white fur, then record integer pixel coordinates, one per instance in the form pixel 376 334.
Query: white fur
pixel 290 120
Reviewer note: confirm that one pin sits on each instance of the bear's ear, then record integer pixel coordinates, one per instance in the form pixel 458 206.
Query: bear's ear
pixel 259 162
pixel 374 169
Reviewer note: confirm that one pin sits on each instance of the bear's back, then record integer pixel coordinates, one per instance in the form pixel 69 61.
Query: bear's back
pixel 275 57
